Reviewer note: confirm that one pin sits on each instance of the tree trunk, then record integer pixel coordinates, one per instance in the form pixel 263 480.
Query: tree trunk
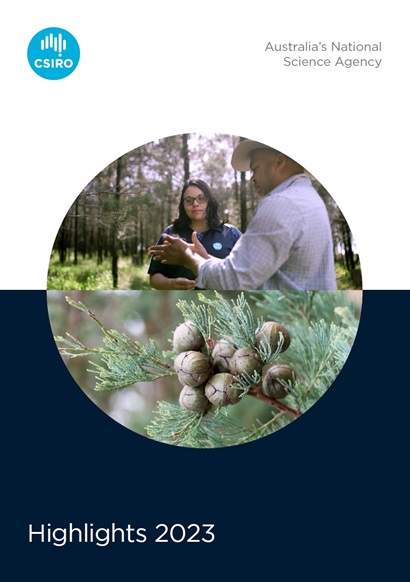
pixel 62 243
pixel 347 243
pixel 185 155
pixel 115 225
pixel 76 211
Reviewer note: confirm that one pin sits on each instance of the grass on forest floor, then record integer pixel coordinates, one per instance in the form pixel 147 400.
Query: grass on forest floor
pixel 88 276
pixel 343 278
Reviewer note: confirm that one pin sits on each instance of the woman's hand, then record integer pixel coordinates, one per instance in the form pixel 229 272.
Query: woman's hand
pixel 181 284
pixel 161 282
pixel 198 248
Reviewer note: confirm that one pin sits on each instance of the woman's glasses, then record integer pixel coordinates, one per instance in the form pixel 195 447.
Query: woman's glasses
pixel 189 201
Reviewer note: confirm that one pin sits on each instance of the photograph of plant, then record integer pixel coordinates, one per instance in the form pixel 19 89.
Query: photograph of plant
pixel 205 369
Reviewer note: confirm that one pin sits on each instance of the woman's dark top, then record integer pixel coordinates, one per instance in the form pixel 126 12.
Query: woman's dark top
pixel 218 242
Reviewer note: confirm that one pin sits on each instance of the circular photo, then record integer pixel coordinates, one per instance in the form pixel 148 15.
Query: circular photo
pixel 204 212
pixel 204 290
pixel 205 369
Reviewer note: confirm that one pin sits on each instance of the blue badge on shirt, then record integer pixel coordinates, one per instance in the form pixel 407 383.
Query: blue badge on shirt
pixel 217 246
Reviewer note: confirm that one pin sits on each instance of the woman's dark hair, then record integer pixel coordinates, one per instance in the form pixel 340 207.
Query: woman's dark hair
pixel 212 211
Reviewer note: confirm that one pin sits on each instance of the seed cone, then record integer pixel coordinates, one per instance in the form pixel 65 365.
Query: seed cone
pixel 192 368
pixel 187 337
pixel 223 390
pixel 271 376
pixel 245 360
pixel 193 399
pixel 221 355
pixel 270 333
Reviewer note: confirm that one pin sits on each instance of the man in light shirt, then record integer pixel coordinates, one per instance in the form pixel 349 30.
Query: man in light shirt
pixel 288 242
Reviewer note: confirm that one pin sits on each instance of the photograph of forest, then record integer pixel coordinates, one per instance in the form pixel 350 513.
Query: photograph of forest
pixel 103 240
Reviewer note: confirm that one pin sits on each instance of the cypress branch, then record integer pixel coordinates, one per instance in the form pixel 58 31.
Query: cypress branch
pixel 322 326
pixel 124 361
pixel 175 426
pixel 234 320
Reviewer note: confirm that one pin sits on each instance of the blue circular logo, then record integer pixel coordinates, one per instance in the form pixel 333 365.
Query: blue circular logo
pixel 53 53
pixel 217 246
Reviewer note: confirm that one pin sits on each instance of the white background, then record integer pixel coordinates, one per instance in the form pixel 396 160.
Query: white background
pixel 153 69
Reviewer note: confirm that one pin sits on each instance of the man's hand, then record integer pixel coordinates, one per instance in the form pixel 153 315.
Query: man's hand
pixel 176 251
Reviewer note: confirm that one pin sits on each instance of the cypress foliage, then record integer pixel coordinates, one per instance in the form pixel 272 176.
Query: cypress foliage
pixel 322 327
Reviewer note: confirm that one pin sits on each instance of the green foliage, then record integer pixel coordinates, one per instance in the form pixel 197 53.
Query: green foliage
pixel 343 276
pixel 124 362
pixel 175 426
pixel 319 354
pixel 234 320
pixel 302 307
pixel 87 275
pixel 322 326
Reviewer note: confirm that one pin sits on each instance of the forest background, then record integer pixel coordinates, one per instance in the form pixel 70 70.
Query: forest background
pixel 103 239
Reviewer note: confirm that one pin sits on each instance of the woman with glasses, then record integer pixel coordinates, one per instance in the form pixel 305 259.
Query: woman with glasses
pixel 199 212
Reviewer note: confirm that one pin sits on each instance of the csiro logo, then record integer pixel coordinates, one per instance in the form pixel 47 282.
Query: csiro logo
pixel 53 53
